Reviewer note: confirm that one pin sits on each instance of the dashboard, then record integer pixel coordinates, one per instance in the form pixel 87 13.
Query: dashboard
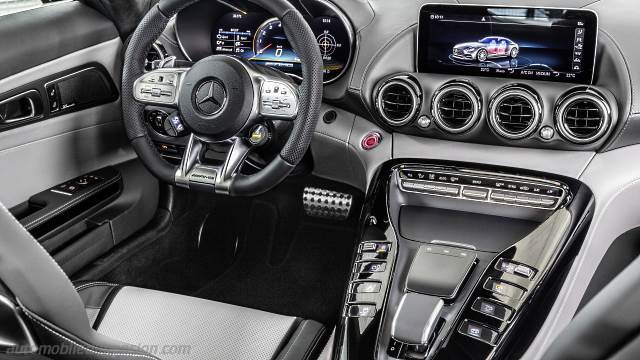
pixel 555 77
pixel 248 32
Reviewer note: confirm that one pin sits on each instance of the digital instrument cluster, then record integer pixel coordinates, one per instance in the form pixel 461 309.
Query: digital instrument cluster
pixel 261 39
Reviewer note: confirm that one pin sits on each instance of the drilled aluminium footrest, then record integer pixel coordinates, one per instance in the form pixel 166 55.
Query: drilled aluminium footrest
pixel 326 204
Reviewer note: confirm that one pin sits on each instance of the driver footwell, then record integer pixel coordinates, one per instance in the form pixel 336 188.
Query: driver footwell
pixel 262 253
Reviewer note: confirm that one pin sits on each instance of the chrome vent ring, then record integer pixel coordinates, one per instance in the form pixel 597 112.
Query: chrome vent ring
pixel 456 107
pixel 398 101
pixel 583 117
pixel 515 112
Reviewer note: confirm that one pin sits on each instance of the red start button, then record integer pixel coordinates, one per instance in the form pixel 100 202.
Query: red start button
pixel 371 140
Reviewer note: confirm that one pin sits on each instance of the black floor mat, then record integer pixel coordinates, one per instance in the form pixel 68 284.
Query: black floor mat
pixel 262 253
pixel 308 281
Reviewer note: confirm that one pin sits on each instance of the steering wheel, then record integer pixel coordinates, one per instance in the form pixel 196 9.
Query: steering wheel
pixel 223 99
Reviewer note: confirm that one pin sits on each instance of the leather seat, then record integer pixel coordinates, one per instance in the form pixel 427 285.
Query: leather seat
pixel 94 320
pixel 173 326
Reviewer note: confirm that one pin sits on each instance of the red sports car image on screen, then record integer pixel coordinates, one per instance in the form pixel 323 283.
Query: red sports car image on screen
pixel 490 47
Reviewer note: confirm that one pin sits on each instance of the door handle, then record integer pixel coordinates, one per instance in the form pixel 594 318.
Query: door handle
pixel 24 106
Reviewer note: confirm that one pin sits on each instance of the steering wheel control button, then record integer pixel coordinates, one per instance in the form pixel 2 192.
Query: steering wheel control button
pixel 361 310
pixel 503 288
pixel 512 268
pixel 371 141
pixel 211 97
pixel 259 135
pixel 278 100
pixel 492 309
pixel 478 331
pixel 158 87
pixel 368 287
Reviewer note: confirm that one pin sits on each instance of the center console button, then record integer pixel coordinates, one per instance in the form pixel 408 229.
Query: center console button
pixel 478 331
pixel 365 287
pixel 510 267
pixel 395 349
pixel 361 310
pixel 368 247
pixel 492 308
pixel 375 247
pixel 371 267
pixel 475 193
pixel 503 288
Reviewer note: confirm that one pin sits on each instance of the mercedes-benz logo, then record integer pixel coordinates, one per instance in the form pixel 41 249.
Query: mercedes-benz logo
pixel 210 98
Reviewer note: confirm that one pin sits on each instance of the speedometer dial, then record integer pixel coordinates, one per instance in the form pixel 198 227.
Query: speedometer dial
pixel 271 44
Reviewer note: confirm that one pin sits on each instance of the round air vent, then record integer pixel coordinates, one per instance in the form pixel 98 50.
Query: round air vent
pixel 515 112
pixel 398 101
pixel 155 56
pixel 456 107
pixel 583 117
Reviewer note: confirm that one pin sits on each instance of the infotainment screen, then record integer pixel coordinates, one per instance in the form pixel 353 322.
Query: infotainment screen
pixel 524 43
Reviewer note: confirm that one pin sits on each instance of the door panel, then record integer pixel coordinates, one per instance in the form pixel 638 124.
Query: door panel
pixel 35 157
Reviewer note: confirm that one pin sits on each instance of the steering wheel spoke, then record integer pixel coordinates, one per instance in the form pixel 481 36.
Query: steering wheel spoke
pixel 159 87
pixel 194 174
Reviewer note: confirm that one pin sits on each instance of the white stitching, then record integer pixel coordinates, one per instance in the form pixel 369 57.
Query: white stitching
pixel 82 346
pixel 63 207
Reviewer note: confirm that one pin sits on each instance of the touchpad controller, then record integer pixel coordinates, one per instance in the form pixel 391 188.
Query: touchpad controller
pixel 440 270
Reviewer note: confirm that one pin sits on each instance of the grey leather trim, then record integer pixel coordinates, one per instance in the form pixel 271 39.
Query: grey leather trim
pixel 615 183
pixel 74 143
pixel 338 154
pixel 37 36
pixel 50 161
pixel 305 342
pixel 327 351
pixel 614 17
pixel 605 323
pixel 210 329
pixel 45 294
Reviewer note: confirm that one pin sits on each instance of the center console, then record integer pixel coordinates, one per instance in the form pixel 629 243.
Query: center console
pixel 453 260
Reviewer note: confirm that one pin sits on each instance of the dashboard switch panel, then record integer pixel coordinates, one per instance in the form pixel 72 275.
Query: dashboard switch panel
pixel 481 186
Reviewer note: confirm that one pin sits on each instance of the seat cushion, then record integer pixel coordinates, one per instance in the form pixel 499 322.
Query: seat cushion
pixel 172 326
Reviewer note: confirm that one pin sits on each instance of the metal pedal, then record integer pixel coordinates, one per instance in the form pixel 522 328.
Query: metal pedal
pixel 326 204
